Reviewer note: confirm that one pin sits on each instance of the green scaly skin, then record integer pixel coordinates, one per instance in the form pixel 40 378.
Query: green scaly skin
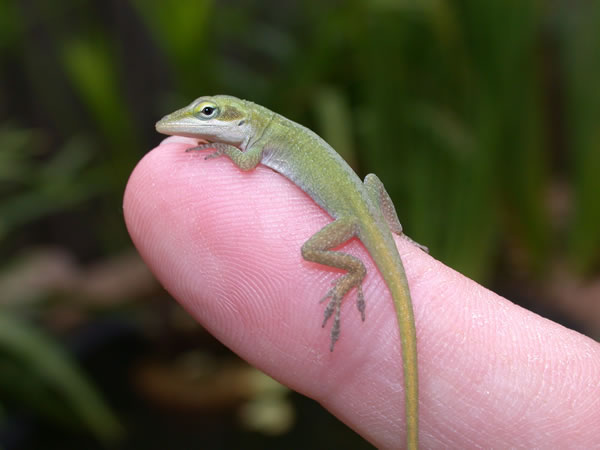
pixel 249 135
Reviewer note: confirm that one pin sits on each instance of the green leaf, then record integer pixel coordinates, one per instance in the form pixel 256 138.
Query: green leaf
pixel 42 356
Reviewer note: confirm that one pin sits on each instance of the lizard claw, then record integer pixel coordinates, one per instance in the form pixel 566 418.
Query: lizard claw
pixel 360 302
pixel 198 148
pixel 335 329
pixel 218 151
pixel 213 155
pixel 330 306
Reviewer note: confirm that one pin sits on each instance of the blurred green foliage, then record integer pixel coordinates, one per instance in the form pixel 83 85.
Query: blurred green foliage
pixel 35 372
pixel 581 63
pixel 473 113
pixel 33 188
pixel 448 101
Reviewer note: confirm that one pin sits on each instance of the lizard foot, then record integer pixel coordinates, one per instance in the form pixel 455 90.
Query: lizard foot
pixel 336 295
pixel 218 152
pixel 199 147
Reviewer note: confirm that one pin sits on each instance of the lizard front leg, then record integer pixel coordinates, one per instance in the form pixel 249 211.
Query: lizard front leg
pixel 318 249
pixel 383 199
pixel 247 160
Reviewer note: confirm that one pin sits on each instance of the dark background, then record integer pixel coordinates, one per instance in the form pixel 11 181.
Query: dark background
pixel 482 118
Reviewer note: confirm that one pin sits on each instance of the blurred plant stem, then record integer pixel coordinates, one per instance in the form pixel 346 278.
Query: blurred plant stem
pixel 33 366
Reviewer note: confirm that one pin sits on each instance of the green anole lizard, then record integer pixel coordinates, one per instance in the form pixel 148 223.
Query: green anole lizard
pixel 250 134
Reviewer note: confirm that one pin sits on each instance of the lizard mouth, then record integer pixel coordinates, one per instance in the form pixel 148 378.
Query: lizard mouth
pixel 179 126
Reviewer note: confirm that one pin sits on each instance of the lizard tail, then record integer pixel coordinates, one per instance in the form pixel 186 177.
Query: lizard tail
pixel 408 337
pixel 395 278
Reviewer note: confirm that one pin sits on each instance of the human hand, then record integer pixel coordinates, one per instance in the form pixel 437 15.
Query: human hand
pixel 226 244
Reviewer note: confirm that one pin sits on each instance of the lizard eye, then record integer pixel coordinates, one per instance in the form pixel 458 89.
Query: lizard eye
pixel 206 110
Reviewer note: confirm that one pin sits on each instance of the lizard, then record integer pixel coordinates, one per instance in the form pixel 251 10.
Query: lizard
pixel 249 135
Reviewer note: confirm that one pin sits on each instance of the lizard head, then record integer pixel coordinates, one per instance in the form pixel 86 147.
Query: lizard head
pixel 218 118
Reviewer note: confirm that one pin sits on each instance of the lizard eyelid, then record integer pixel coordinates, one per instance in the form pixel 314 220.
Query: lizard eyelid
pixel 206 110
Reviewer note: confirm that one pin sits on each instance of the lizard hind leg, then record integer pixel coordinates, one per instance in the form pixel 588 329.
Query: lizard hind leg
pixel 386 205
pixel 318 249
